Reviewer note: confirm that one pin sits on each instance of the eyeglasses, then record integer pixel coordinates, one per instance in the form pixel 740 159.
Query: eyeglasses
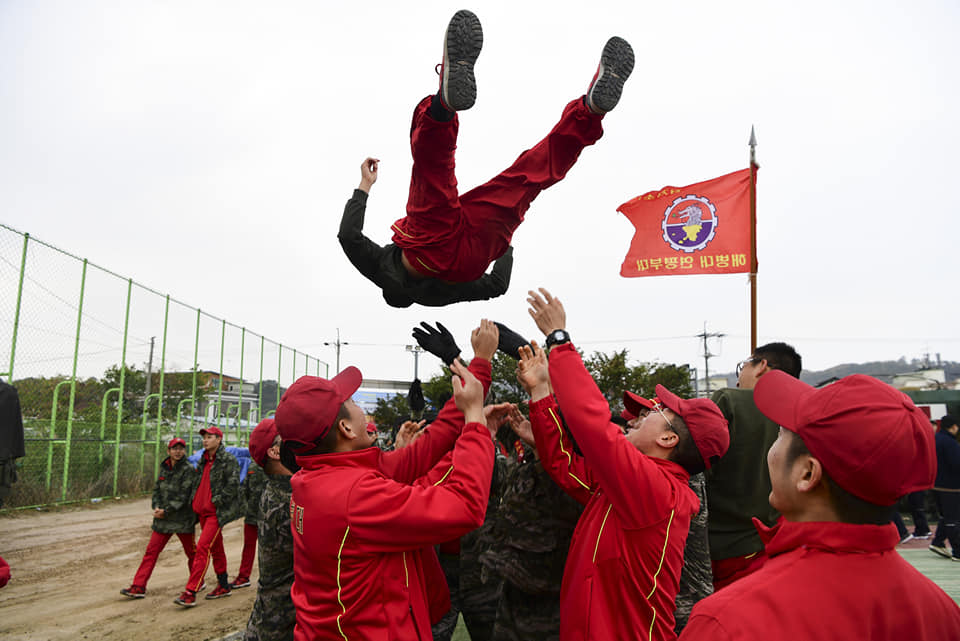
pixel 741 364
pixel 658 407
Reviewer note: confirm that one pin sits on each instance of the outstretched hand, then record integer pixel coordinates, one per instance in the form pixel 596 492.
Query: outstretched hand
pixel 520 424
pixel 408 433
pixel 532 371
pixel 438 342
pixel 547 312
pixel 485 339
pixel 467 393
pixel 496 416
pixel 368 173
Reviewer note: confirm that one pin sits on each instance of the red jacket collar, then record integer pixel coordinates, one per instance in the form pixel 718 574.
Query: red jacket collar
pixel 786 535
pixel 674 469
pixel 367 457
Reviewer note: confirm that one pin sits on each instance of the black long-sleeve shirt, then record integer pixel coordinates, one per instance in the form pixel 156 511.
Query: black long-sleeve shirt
pixel 384 266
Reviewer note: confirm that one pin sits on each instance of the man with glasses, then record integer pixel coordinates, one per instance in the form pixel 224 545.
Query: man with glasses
pixel 623 568
pixel 738 486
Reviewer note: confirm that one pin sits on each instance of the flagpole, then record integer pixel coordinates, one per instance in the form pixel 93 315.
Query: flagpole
pixel 753 240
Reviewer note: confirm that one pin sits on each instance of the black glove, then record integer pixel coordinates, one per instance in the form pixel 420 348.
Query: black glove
pixel 510 341
pixel 438 342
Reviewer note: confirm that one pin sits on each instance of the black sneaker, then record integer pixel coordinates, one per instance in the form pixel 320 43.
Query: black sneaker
pixel 941 550
pixel 616 65
pixel 461 47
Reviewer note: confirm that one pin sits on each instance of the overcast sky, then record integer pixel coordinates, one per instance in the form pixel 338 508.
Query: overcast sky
pixel 206 149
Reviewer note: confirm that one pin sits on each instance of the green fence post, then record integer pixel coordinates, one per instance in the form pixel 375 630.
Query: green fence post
pixel 143 428
pixel 116 440
pixel 179 410
pixel 196 366
pixel 53 429
pixel 293 369
pixel 123 370
pixel 223 340
pixel 279 369
pixel 163 371
pixel 16 314
pixel 260 387
pixel 73 387
pixel 243 341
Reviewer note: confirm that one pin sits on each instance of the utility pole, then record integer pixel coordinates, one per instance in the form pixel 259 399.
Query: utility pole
pixel 707 355
pixel 415 349
pixel 338 344
pixel 150 365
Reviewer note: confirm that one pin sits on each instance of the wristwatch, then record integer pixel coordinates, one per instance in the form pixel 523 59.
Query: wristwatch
pixel 557 337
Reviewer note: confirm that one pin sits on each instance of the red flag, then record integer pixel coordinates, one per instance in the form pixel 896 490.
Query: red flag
pixel 698 229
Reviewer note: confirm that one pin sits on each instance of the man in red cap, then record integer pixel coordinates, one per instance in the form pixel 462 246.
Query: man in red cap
pixel 623 569
pixel 273 616
pixel 172 514
pixel 844 456
pixel 216 503
pixel 360 525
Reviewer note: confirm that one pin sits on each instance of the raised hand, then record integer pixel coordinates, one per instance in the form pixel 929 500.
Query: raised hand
pixel 408 433
pixel 532 371
pixel 520 424
pixel 485 339
pixel 510 341
pixel 368 173
pixel 438 342
pixel 547 312
pixel 467 393
pixel 496 416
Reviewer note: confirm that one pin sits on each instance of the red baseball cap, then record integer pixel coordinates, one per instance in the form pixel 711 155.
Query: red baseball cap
pixel 261 439
pixel 309 406
pixel 211 430
pixel 707 426
pixel 176 441
pixel 870 437
pixel 633 404
pixel 371 428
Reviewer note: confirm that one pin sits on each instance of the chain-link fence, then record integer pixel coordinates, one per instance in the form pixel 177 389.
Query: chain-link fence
pixel 109 370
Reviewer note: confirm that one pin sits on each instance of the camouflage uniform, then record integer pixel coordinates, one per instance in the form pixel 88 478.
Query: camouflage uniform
pixel 696 579
pixel 471 594
pixel 273 616
pixel 224 485
pixel 250 492
pixel 526 547
pixel 173 493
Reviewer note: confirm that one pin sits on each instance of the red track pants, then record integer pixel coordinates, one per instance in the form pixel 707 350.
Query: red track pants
pixel 209 544
pixel 157 542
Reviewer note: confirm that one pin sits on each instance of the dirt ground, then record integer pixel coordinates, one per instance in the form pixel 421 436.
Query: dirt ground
pixel 68 566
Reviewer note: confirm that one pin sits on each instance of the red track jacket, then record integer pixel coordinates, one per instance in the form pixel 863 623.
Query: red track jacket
pixel 360 528
pixel 829 582
pixel 622 573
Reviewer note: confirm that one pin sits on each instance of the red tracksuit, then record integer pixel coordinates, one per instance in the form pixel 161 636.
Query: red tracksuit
pixel 360 529
pixel 623 569
pixel 455 238
pixel 210 542
pixel 829 582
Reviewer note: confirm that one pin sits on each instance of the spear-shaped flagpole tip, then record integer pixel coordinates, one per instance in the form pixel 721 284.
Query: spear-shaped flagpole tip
pixel 753 146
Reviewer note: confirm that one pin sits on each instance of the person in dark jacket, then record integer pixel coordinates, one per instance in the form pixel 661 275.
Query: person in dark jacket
pixel 216 502
pixel 946 489
pixel 442 247
pixel 172 514
pixel 11 438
